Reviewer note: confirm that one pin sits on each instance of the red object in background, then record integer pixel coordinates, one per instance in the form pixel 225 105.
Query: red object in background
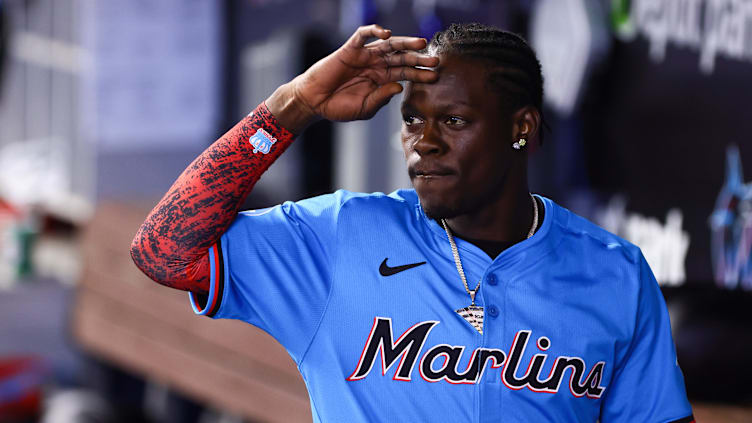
pixel 21 381
pixel 7 208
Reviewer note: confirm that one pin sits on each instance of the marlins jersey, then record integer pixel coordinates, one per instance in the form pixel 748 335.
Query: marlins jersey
pixel 362 289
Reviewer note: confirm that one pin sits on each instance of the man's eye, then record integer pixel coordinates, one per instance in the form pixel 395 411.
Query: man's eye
pixel 454 120
pixel 409 120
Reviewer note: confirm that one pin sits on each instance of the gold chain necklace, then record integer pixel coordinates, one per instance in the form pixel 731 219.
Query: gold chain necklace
pixel 472 313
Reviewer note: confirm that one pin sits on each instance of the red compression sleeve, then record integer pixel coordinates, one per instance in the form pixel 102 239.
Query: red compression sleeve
pixel 172 245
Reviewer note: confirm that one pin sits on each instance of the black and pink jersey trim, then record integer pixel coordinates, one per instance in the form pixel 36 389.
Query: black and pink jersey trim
pixel 208 304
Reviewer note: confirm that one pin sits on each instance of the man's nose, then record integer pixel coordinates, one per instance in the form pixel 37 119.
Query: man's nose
pixel 429 142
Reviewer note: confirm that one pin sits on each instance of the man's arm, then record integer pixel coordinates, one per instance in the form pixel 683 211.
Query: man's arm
pixel 647 384
pixel 352 83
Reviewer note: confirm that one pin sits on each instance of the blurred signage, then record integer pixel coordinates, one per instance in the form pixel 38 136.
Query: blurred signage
pixel 711 28
pixel 663 245
pixel 731 225
pixel 657 120
pixel 560 33
pixel 570 37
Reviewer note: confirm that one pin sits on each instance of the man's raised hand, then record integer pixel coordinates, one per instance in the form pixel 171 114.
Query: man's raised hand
pixel 355 81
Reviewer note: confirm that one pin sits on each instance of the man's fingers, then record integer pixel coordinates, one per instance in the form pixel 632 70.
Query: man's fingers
pixel 362 34
pixel 409 73
pixel 392 44
pixel 379 97
pixel 412 59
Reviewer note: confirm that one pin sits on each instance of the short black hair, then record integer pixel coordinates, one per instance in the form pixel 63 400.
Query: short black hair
pixel 514 70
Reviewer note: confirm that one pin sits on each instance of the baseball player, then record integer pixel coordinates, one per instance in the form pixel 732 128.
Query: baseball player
pixel 465 299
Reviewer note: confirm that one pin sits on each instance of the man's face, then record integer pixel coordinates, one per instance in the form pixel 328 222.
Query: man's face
pixel 456 139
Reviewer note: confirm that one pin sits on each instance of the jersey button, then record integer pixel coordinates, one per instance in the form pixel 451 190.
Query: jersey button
pixel 493 311
pixel 491 280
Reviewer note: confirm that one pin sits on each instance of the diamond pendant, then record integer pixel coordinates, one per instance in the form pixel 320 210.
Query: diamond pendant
pixel 473 315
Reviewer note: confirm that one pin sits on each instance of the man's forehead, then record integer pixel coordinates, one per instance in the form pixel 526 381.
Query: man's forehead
pixel 443 88
pixel 451 82
pixel 462 82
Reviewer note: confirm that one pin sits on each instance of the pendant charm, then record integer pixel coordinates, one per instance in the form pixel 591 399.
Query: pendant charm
pixel 473 315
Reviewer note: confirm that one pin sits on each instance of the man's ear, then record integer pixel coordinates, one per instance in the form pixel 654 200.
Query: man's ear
pixel 526 123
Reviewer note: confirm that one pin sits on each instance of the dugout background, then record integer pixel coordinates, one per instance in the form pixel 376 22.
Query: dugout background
pixel 104 103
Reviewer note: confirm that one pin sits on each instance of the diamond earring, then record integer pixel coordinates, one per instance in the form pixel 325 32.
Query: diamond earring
pixel 519 144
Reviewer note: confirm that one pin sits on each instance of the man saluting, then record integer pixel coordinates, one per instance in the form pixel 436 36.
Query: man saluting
pixel 464 299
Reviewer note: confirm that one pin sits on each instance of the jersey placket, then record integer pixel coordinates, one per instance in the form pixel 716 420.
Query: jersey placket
pixel 487 405
pixel 490 407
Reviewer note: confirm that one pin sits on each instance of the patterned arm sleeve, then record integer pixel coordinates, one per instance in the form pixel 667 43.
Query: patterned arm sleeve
pixel 171 246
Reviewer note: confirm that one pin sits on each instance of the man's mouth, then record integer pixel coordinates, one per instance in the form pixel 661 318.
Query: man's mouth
pixel 432 172
pixel 430 175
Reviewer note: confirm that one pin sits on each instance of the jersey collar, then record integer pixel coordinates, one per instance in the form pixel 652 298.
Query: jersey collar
pixel 523 254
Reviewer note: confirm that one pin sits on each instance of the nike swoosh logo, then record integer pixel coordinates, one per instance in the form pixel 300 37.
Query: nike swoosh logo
pixel 386 270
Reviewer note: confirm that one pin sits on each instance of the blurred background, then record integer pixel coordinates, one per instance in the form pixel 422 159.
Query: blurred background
pixel 103 103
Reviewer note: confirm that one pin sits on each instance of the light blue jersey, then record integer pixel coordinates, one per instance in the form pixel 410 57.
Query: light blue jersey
pixel 362 289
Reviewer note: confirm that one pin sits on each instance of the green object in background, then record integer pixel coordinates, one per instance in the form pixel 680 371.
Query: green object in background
pixel 26 237
pixel 621 19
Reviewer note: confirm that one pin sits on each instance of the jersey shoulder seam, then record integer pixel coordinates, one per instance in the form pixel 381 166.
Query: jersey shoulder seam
pixel 628 249
pixel 374 196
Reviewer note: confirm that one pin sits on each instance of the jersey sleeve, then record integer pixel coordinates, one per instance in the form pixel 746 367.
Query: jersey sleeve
pixel 273 269
pixel 648 385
